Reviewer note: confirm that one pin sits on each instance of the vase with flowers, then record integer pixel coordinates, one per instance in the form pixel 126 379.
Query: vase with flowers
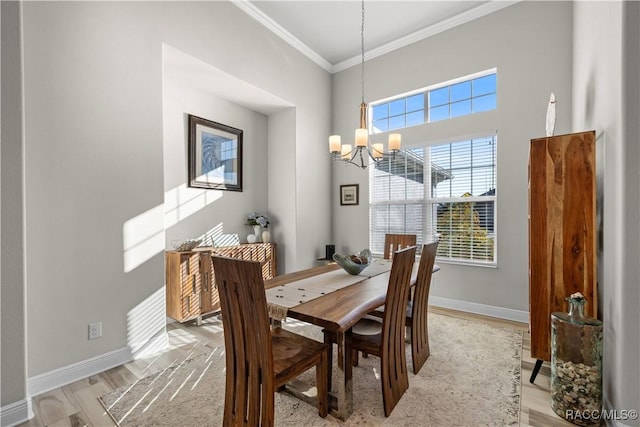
pixel 258 222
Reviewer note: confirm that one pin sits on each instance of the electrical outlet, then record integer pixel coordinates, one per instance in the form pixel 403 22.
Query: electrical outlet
pixel 95 330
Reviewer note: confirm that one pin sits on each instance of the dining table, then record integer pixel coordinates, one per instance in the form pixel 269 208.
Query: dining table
pixel 329 297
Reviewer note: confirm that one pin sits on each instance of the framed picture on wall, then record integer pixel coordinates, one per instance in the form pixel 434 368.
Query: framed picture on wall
pixel 215 155
pixel 349 194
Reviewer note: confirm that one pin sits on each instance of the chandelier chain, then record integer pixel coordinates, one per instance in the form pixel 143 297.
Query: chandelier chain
pixel 362 51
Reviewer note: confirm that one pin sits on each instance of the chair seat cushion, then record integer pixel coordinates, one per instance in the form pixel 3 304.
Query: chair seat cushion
pixel 368 330
pixel 291 350
pixel 379 312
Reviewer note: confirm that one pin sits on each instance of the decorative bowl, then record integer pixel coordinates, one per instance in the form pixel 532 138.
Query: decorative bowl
pixel 354 264
pixel 186 245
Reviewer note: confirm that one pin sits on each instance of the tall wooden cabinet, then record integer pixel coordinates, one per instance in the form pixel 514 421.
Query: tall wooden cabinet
pixel 190 279
pixel 562 231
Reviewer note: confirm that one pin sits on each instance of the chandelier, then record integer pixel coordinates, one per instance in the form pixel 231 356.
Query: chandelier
pixel 360 154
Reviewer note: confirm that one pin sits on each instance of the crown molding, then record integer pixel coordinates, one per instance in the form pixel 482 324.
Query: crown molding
pixel 440 27
pixel 274 27
pixel 470 15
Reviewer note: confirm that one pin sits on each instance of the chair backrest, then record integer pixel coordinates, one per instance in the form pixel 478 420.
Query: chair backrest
pixel 393 242
pixel 419 334
pixel 392 355
pixel 249 393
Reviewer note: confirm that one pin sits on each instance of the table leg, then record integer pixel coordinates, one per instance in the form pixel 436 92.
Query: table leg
pixel 344 384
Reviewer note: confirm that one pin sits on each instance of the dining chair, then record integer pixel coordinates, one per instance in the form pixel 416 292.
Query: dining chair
pixel 259 359
pixel 388 342
pixel 417 309
pixel 393 242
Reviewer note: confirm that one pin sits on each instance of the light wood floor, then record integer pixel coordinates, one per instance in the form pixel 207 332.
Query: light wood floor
pixel 76 404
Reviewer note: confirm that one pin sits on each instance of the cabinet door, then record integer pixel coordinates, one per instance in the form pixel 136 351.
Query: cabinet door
pixel 206 291
pixel 562 227
pixel 190 280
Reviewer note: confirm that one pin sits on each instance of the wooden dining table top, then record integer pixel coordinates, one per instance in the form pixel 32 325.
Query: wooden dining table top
pixel 341 309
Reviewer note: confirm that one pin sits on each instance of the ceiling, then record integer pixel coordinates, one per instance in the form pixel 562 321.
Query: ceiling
pixel 328 31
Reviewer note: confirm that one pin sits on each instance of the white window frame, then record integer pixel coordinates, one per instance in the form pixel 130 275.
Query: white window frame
pixel 430 203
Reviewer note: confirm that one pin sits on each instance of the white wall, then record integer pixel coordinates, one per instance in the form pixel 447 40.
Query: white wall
pixel 281 187
pixel 13 367
pixel 530 45
pixel 607 99
pixel 95 161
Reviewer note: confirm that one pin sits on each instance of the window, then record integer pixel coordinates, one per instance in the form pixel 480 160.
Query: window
pixel 465 96
pixel 399 113
pixel 446 191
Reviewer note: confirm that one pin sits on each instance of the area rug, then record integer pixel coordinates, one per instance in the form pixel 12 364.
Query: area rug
pixel 471 378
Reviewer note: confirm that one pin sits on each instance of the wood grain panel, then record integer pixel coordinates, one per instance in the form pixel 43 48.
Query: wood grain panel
pixel 562 233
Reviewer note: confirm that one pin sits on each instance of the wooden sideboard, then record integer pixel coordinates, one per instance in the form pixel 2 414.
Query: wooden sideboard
pixel 264 253
pixel 190 280
pixel 562 231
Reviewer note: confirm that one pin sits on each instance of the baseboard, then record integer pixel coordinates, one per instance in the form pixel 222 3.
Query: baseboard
pixel 485 310
pixel 16 413
pixel 83 369
pixel 62 376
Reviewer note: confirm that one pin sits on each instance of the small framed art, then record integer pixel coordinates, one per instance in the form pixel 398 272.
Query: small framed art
pixel 349 194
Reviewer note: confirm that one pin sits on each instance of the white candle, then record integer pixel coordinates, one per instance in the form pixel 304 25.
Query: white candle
pixel 346 151
pixel 334 143
pixel 394 141
pixel 362 136
pixel 377 151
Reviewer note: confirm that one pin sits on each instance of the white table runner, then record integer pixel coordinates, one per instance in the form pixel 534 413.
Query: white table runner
pixel 281 298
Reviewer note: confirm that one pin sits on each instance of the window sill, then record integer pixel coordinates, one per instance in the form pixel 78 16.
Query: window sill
pixel 467 263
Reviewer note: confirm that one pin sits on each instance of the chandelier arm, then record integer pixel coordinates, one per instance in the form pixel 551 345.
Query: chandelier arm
pixel 351 160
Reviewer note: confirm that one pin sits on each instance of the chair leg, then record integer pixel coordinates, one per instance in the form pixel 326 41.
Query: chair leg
pixel 355 357
pixel 322 381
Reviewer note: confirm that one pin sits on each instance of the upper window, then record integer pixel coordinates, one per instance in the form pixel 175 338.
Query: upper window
pixel 399 113
pixel 445 101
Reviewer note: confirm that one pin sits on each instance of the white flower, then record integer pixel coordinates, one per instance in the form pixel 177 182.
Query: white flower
pixel 254 219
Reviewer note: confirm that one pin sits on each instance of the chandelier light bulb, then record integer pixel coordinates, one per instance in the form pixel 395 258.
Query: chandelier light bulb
pixel 394 141
pixel 334 143
pixel 346 151
pixel 362 137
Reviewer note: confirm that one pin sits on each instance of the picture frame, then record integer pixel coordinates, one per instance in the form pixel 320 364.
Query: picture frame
pixel 215 155
pixel 349 194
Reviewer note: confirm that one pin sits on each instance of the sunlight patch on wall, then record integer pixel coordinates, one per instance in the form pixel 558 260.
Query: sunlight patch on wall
pixel 182 202
pixel 143 237
pixel 217 238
